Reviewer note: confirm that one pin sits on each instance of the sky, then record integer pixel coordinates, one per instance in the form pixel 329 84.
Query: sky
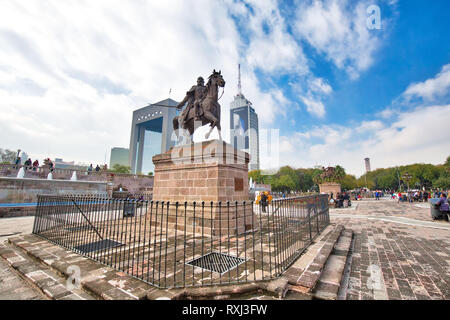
pixel 336 85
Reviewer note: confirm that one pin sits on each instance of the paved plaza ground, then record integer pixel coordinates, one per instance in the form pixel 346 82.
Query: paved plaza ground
pixel 398 252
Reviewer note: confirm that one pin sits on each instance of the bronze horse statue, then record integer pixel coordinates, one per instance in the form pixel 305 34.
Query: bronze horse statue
pixel 210 110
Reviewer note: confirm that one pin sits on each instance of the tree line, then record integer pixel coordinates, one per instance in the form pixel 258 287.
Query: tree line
pixel 414 176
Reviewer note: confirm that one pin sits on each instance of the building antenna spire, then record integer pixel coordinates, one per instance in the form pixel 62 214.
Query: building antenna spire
pixel 239 80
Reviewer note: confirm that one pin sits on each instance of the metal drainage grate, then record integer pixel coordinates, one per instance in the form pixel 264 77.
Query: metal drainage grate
pixel 217 262
pixel 98 245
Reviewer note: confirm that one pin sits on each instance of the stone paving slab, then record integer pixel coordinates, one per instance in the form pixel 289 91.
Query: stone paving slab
pixel 38 275
pixel 12 287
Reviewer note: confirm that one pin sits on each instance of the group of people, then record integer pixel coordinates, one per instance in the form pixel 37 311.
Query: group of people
pixel 342 200
pixel 29 164
pixel 417 196
pixel 97 169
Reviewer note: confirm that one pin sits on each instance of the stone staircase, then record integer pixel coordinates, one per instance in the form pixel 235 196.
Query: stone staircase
pixel 320 272
pixel 38 276
pixel 50 269
pixel 46 267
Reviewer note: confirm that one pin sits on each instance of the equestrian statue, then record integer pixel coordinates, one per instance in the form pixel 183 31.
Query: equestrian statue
pixel 202 107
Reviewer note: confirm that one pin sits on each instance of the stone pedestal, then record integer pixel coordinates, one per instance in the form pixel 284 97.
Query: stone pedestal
pixel 209 172
pixel 330 187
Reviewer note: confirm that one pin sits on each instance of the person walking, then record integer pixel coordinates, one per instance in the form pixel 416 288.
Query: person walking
pixel 90 168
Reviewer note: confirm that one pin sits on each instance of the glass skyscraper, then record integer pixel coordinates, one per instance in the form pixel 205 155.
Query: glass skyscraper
pixel 244 130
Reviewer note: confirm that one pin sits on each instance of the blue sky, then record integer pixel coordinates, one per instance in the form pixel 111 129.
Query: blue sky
pixel 71 73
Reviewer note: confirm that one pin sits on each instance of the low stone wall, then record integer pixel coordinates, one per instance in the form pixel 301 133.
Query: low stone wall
pixel 20 191
pixel 10 212
pixel 132 182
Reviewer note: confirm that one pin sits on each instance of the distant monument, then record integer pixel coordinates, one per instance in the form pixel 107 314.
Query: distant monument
pixel 328 182
pixel 367 163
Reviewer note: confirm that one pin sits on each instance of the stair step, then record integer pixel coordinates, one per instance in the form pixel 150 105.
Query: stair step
pixel 330 280
pixel 96 279
pixel 48 282
pixel 311 275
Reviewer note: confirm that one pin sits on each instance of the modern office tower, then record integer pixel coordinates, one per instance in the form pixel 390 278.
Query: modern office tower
pixel 244 132
pixel 119 156
pixel 151 134
pixel 367 162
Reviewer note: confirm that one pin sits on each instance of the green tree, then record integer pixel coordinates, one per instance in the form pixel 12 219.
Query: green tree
pixel 349 182
pixel 339 173
pixel 442 183
pixel 150 173
pixel 7 156
pixel 118 168
pixel 256 176
pixel 284 183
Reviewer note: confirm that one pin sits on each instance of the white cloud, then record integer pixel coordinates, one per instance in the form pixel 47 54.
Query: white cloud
pixel 338 30
pixel 369 126
pixel 433 88
pixel 271 48
pixel 314 107
pixel 71 73
pixel 320 85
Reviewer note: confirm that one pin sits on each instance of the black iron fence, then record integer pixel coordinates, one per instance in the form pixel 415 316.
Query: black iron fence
pixel 184 244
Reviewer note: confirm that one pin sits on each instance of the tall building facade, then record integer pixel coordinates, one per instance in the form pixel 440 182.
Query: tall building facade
pixel 151 134
pixel 119 156
pixel 244 131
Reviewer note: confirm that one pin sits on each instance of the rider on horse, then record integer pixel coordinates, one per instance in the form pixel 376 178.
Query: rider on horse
pixel 193 98
pixel 203 102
